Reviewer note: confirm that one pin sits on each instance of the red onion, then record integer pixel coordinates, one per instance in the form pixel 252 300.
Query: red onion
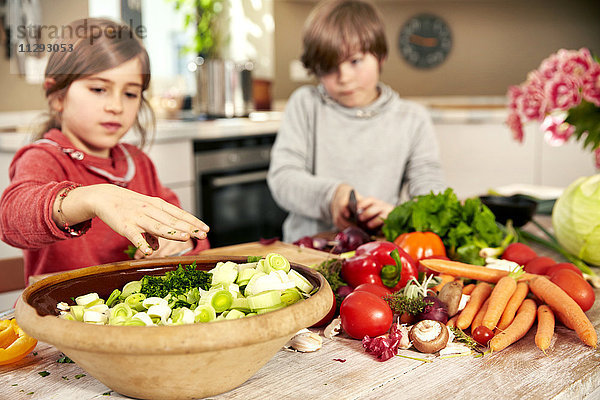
pixel 434 310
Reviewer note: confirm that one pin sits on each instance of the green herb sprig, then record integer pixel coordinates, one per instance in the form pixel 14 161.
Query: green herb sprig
pixel 177 282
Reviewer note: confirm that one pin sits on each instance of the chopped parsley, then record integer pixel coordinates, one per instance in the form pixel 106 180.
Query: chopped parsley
pixel 44 373
pixel 177 282
pixel 79 376
pixel 65 360
pixel 107 393
pixel 130 251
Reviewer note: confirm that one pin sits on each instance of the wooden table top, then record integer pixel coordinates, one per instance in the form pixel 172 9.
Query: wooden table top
pixel 342 369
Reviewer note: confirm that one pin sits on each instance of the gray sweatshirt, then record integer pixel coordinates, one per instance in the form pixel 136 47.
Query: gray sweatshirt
pixel 377 149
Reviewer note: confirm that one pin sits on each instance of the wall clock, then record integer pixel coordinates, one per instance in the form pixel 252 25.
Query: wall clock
pixel 425 41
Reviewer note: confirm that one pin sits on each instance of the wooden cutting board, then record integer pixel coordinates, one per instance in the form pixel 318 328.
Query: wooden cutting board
pixel 300 255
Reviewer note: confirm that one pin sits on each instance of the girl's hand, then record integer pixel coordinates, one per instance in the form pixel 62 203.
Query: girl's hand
pixel 130 214
pixel 339 206
pixel 166 248
pixel 372 211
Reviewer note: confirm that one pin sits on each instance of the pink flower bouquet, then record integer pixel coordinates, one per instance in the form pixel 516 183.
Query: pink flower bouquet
pixel 563 95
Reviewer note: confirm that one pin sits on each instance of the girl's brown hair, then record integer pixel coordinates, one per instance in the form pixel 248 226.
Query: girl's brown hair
pixel 336 29
pixel 89 46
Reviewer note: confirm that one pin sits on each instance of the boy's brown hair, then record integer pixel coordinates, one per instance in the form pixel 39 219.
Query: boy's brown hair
pixel 336 29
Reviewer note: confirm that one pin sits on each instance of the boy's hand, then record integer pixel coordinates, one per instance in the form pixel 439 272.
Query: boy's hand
pixel 372 211
pixel 339 207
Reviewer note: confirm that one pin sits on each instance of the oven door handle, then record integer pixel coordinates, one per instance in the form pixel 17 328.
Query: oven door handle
pixel 239 179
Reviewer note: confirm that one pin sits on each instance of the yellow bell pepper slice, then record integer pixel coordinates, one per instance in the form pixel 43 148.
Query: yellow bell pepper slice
pixel 19 348
pixel 7 333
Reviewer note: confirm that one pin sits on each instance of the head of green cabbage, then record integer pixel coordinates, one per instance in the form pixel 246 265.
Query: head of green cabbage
pixel 576 219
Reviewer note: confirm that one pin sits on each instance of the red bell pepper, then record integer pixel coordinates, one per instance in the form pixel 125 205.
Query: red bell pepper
pixel 379 262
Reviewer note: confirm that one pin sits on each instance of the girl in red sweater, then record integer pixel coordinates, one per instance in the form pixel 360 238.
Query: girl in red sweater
pixel 77 169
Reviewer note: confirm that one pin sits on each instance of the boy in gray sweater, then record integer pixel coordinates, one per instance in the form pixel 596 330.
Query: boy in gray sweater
pixel 349 132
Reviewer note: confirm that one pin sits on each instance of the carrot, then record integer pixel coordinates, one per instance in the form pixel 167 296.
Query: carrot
pixel 564 320
pixel 561 303
pixel 452 321
pixel 518 328
pixel 499 298
pixel 445 279
pixel 468 289
pixel 479 316
pixel 545 328
pixel 478 296
pixel 458 269
pixel 513 305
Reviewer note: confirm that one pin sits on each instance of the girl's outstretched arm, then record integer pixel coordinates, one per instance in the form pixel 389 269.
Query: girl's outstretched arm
pixel 130 214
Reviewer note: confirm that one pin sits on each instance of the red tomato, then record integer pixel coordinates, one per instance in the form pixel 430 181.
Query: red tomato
pixel 556 267
pixel 539 265
pixel 327 318
pixel 519 253
pixel 365 314
pixel 377 290
pixel 575 286
pixel 482 335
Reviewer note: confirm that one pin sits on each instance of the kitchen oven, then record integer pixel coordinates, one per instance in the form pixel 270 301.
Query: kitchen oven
pixel 232 193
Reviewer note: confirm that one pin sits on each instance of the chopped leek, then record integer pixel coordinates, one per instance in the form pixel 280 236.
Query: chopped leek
pixel 87 299
pixel 136 301
pixel 277 262
pixel 204 313
pixel 221 300
pixel 266 299
pixel 224 272
pixel 291 296
pixel 186 295
pixel 234 314
pixel 301 282
pixel 113 298
pixel 131 288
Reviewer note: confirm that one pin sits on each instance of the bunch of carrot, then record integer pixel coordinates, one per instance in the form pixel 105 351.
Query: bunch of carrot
pixel 506 309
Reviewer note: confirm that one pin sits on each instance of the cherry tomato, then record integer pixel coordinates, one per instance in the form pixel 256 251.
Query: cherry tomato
pixel 377 290
pixel 364 313
pixel 519 253
pixel 539 265
pixel 575 286
pixel 482 335
pixel 556 267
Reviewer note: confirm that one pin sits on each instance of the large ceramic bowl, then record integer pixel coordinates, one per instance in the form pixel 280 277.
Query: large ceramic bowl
pixel 164 362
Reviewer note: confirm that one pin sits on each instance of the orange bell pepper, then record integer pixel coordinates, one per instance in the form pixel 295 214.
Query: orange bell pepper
pixel 421 245
pixel 15 345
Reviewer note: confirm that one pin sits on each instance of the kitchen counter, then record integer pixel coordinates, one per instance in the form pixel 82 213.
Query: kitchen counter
pixel 15 128
pixel 342 369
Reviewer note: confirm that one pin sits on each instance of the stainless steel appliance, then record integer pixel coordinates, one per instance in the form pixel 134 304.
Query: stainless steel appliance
pixel 223 88
pixel 232 193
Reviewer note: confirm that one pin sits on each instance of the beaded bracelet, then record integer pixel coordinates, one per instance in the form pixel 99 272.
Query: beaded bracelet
pixel 66 227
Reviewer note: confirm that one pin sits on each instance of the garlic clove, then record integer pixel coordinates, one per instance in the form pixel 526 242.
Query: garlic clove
pixel 333 329
pixel 305 341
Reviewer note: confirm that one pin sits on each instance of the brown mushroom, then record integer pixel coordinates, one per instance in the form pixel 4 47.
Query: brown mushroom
pixel 450 295
pixel 429 336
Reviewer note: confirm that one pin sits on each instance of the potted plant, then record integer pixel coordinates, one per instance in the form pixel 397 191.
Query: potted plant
pixel 204 16
pixel 223 86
